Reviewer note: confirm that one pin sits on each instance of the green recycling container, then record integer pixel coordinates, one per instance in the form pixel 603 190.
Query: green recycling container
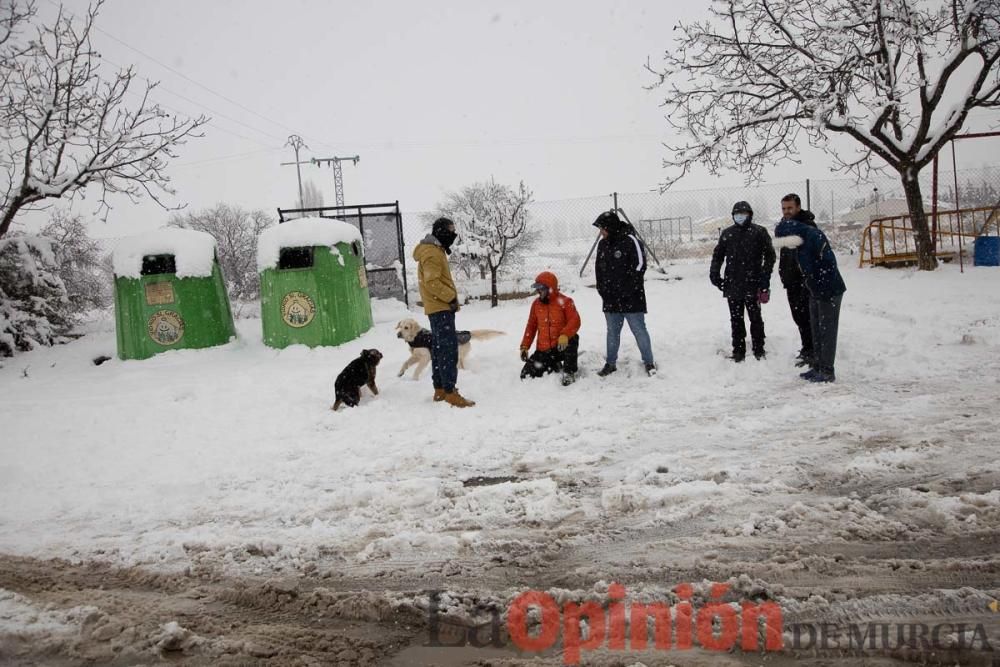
pixel 169 294
pixel 313 283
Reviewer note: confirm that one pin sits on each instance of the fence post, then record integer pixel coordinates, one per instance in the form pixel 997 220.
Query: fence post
pixel 958 209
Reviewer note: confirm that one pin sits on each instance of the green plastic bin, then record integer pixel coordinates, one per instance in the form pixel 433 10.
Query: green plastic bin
pixel 169 294
pixel 313 283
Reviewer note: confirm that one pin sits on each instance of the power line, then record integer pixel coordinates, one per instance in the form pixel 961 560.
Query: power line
pixel 224 158
pixel 199 105
pixel 199 84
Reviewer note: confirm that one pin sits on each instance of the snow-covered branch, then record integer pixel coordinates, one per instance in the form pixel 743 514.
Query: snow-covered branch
pixel 761 78
pixel 750 85
pixel 66 126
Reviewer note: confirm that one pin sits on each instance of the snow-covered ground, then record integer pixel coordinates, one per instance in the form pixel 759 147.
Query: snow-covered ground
pixel 147 462
pixel 230 459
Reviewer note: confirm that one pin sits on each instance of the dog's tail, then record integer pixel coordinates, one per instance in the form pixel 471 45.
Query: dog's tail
pixel 486 334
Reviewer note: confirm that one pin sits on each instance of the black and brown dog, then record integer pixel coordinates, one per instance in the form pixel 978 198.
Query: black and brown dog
pixel 357 374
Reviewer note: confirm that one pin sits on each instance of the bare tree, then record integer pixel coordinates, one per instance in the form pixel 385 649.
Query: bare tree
pixel 898 77
pixel 312 197
pixel 235 231
pixel 64 126
pixel 492 221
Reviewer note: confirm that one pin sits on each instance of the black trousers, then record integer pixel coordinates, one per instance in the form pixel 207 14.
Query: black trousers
pixel 825 318
pixel 798 303
pixel 552 360
pixel 737 306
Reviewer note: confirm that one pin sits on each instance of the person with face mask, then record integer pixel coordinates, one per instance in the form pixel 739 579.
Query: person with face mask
pixel 749 256
pixel 440 299
pixel 555 321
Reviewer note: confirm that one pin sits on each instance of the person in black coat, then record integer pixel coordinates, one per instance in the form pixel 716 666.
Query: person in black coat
pixel 621 270
pixel 792 281
pixel 749 257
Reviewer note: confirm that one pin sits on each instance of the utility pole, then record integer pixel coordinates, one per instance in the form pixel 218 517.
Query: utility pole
pixel 296 142
pixel 338 174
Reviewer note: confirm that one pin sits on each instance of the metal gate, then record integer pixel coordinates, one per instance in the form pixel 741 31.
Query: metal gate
pixel 381 227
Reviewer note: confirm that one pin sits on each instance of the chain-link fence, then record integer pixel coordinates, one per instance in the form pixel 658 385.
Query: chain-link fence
pixel 677 225
pixel 684 225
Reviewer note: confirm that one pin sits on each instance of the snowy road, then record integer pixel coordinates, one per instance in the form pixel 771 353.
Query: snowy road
pixel 870 492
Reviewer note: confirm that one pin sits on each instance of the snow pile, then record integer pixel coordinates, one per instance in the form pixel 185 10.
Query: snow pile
pixel 20 616
pixel 302 232
pixel 193 251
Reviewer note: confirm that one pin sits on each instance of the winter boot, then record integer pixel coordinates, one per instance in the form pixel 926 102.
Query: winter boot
pixel 568 379
pixel 438 394
pixel 607 370
pixel 809 374
pixel 738 356
pixel 650 370
pixel 455 399
pixel 760 355
pixel 823 376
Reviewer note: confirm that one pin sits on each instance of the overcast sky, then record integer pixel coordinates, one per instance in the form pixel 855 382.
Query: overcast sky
pixel 432 95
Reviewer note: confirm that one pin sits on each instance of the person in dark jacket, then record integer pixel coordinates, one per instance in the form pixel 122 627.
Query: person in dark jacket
pixel 791 278
pixel 749 256
pixel 826 290
pixel 621 270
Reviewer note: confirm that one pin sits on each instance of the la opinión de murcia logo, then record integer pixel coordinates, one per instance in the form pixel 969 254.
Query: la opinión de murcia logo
pixel 536 623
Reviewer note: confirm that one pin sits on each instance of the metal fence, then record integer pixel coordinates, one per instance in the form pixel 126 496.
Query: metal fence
pixel 381 227
pixel 684 225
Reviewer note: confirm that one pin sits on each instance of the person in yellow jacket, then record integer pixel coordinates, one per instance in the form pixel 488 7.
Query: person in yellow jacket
pixel 440 299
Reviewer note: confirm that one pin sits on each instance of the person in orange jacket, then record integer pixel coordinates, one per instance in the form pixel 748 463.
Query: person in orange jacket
pixel 554 319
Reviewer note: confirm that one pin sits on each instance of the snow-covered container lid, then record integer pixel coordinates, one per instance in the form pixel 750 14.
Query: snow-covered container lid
pixel 300 233
pixel 193 251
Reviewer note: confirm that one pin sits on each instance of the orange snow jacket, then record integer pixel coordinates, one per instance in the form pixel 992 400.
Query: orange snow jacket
pixel 550 320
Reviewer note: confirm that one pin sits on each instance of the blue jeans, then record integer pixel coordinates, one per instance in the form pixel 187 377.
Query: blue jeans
pixel 637 323
pixel 444 351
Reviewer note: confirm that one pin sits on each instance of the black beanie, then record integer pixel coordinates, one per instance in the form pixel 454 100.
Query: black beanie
pixel 441 225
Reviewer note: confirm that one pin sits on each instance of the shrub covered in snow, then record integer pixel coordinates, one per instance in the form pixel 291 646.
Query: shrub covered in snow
pixel 35 309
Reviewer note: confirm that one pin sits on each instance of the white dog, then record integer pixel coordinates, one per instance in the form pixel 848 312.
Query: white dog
pixel 419 339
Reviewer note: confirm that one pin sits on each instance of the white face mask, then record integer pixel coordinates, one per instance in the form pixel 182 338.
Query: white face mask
pixel 740 218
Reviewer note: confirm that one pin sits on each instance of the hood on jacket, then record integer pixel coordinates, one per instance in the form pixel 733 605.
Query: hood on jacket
pixel 806 217
pixel 547 279
pixel 429 244
pixel 742 207
pixel 789 233
pixel 610 221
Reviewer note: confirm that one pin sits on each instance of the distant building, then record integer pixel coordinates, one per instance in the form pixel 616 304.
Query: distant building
pixel 860 217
